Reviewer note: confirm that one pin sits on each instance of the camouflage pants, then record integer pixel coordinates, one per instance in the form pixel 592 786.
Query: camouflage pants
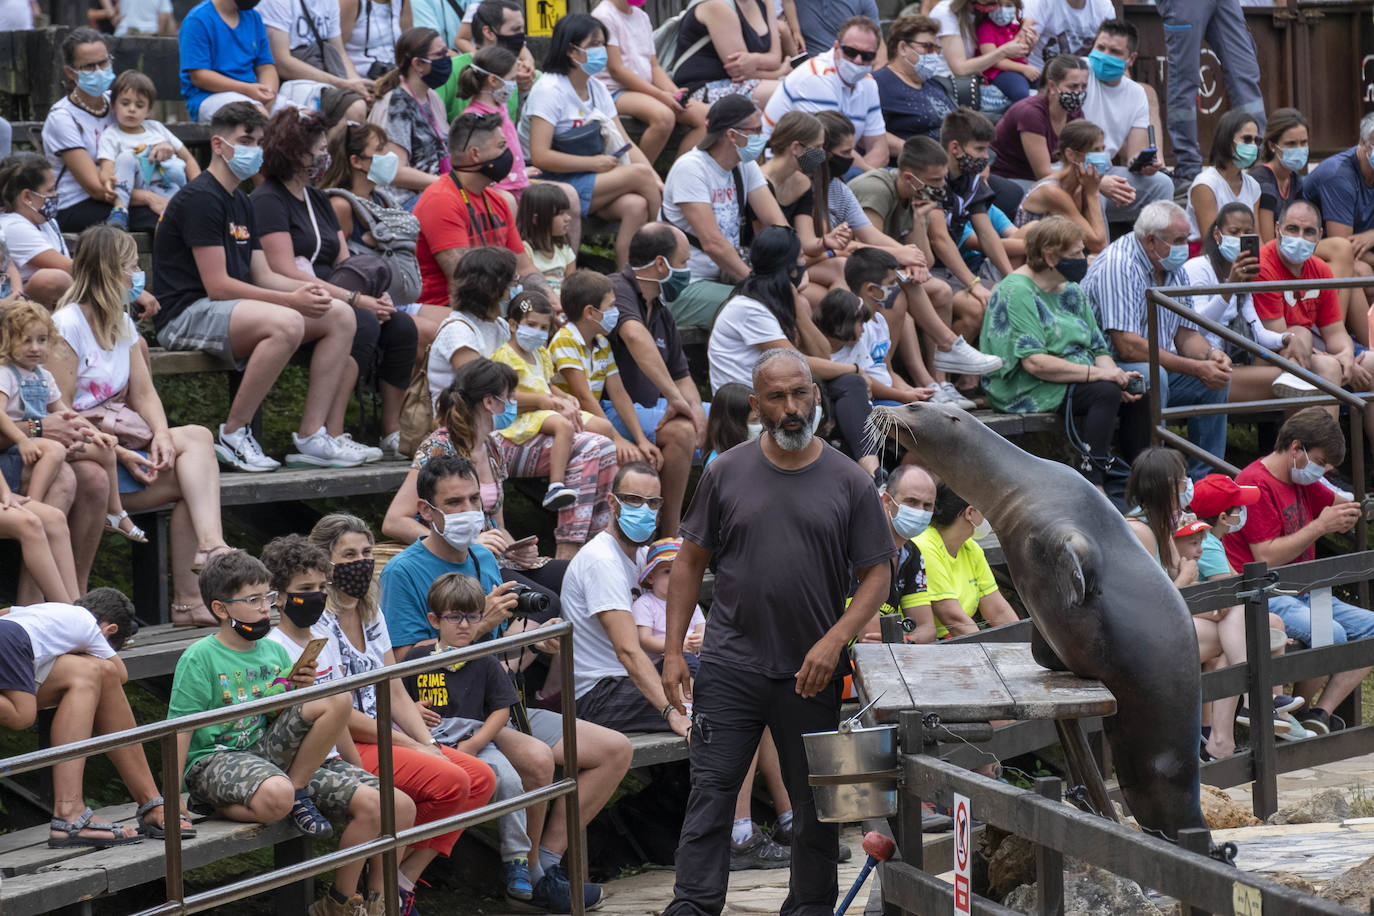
pixel 233 777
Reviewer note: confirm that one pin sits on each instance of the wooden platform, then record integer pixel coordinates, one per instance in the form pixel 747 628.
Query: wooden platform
pixel 972 682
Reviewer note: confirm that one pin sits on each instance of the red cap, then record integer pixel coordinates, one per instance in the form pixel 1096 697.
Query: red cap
pixel 1193 527
pixel 1215 493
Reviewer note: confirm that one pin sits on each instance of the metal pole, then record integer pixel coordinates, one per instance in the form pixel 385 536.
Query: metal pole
pixel 171 820
pixel 892 628
pixel 910 842
pixel 575 855
pixel 1265 797
pixel 1152 327
pixel 386 774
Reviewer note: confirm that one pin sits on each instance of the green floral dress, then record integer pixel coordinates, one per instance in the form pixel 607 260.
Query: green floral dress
pixel 1022 320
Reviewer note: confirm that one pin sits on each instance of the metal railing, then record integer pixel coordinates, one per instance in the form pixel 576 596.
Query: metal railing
pixel 390 841
pixel 1159 297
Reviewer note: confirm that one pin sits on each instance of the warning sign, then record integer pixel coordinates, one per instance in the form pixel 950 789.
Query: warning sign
pixel 540 15
pixel 963 842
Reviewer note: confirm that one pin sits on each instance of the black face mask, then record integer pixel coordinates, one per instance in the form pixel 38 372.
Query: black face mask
pixel 354 577
pixel 251 631
pixel 493 169
pixel 512 43
pixel 303 608
pixel 439 72
pixel 796 274
pixel 1072 269
pixel 839 165
pixel 245 4
pixel 972 165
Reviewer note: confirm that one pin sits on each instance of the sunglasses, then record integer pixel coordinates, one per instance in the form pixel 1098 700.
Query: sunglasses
pixel 861 56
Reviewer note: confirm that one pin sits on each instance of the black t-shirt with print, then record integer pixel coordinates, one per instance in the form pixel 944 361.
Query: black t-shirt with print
pixel 201 215
pixel 470 690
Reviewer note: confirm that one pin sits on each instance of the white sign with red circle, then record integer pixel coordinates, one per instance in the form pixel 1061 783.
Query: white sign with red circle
pixel 963 842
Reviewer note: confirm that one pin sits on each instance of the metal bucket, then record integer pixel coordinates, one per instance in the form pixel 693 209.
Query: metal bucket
pixel 853 772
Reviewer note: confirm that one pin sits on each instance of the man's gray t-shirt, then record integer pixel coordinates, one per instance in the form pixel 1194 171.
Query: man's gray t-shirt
pixel 786 544
pixel 821 19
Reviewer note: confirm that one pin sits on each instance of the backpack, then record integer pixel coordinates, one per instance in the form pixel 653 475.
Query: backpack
pixel 394 232
pixel 665 41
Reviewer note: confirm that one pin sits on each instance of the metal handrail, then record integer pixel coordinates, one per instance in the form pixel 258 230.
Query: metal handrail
pixel 389 841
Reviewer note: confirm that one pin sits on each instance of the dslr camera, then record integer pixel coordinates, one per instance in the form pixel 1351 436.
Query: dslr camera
pixel 528 602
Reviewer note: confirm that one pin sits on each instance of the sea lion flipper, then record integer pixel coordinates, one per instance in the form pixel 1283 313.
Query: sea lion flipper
pixel 1073 560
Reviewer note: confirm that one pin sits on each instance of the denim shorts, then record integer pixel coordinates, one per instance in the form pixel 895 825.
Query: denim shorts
pixel 582 182
pixel 1347 621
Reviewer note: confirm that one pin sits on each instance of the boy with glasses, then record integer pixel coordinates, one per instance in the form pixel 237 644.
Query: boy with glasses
pixel 263 767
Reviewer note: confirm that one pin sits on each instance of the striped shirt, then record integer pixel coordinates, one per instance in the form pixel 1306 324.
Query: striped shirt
pixel 570 351
pixel 1116 284
pixel 815 86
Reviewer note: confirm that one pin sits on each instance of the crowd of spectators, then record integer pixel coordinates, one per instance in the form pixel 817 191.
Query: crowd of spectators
pixel 960 207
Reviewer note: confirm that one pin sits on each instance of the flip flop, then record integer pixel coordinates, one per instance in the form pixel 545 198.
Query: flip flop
pixel 118 835
pixel 155 832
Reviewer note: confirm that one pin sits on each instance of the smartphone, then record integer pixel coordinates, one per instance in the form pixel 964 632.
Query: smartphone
pixel 312 652
pixel 799 59
pixel 523 542
pixel 622 151
pixel 1147 155
pixel 1250 244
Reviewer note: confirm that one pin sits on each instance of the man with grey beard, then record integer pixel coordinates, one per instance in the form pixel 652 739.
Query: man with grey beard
pixel 792 523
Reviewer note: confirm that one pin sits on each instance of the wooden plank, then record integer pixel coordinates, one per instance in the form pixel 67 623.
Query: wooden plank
pixel 653 748
pixel 876 674
pixel 182 362
pixel 958 683
pixel 239 489
pixel 1042 694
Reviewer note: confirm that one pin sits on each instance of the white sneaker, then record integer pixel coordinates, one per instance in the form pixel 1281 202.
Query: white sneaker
pixel 391 445
pixel 964 359
pixel 321 450
pixel 238 449
pixel 1289 385
pixel 946 393
pixel 368 453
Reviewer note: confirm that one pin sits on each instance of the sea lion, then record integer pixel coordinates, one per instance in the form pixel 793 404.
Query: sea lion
pixel 1098 601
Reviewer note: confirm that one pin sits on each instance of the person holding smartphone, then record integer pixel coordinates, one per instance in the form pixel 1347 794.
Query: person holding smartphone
pixel 1119 105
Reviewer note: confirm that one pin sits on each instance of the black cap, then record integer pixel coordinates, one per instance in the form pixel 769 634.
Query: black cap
pixel 727 112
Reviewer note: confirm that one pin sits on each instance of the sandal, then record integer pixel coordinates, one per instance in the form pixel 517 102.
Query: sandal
pixel 115 524
pixel 192 615
pixel 72 829
pixel 204 556
pixel 156 832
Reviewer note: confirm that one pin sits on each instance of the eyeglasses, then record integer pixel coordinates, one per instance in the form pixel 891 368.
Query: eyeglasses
pixel 105 64
pixel 1247 138
pixel 460 619
pixel 634 501
pixel 926 47
pixel 862 56
pixel 262 601
pixel 747 131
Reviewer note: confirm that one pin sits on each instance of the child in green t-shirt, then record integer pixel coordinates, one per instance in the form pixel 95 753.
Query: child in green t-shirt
pixel 260 768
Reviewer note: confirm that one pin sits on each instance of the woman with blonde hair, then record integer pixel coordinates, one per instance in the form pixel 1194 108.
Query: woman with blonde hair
pixel 443 781
pixel 104 377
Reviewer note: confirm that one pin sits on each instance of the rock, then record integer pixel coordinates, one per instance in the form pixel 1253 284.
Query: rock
pixel 1326 806
pixel 1296 882
pixel 1221 811
pixel 1354 888
pixel 1011 865
pixel 1089 891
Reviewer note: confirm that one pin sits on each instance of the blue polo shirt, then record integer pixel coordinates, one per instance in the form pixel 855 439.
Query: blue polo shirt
pixel 406 580
pixel 1337 186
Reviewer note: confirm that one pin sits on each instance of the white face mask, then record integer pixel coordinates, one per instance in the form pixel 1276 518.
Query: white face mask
pixel 461 528
pixel 982 530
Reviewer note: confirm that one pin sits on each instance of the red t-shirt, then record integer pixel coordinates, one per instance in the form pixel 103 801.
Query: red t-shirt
pixel 1311 308
pixel 447 215
pixel 1282 509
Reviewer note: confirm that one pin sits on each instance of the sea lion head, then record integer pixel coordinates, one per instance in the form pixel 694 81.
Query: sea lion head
pixel 934 432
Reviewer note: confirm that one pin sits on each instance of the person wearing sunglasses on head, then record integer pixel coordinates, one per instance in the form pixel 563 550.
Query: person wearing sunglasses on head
pixel 840 80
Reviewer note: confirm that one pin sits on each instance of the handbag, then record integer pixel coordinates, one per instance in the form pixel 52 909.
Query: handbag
pixel 118 419
pixel 319 54
pixel 394 233
pixel 417 407
pixel 586 140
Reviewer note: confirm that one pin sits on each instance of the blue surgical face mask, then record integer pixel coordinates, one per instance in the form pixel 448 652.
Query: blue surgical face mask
pixel 637 523
pixel 752 149
pixel 245 162
pixel 1229 246
pixel 139 281
pixel 927 65
pixel 95 83
pixel 1309 473
pixel 1295 249
pixel 1293 158
pixel 609 319
pixel 1177 256
pixel 529 338
pixel 383 168
pixel 1003 15
pixel 1246 154
pixel 595 62
pixel 506 417
pixel 1186 496
pixel 1099 160
pixel 910 521
pixel 1106 67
